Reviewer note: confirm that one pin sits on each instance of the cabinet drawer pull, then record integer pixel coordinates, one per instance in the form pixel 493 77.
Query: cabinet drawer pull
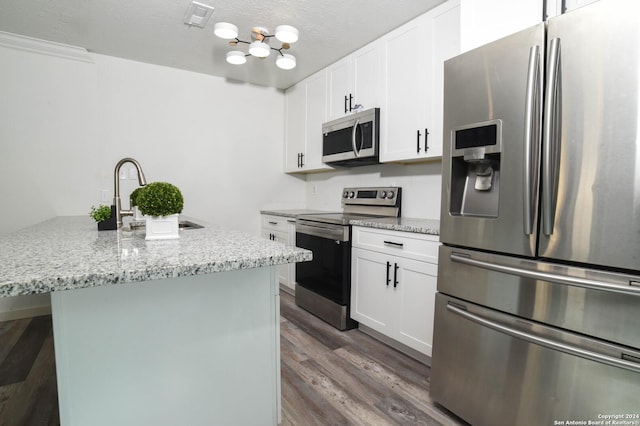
pixel 273 223
pixel 395 275
pixel 426 140
pixel 418 142
pixel 388 278
pixel 393 243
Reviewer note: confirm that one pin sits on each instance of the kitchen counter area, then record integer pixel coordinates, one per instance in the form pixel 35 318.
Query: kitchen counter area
pixel 179 331
pixel 404 224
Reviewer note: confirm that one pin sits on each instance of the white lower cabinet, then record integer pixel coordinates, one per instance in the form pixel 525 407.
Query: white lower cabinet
pixel 393 285
pixel 283 230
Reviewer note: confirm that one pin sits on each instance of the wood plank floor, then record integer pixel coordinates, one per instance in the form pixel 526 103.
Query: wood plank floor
pixel 328 377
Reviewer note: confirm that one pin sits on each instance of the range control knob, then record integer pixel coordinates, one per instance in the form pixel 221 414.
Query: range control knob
pixel 383 194
pixel 345 195
pixel 390 194
pixel 352 194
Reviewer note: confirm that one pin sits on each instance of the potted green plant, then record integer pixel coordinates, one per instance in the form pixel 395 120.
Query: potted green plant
pixel 161 203
pixel 104 216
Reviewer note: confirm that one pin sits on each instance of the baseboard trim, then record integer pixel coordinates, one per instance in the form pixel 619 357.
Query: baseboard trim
pixel 418 356
pixel 35 311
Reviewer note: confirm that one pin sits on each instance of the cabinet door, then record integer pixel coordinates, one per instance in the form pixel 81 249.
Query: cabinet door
pixel 405 90
pixel 365 73
pixel 371 294
pixel 295 127
pixel 316 112
pixel 413 60
pixel 416 292
pixel 305 112
pixel 483 21
pixel 291 267
pixel 339 88
pixel 444 40
pixel 281 237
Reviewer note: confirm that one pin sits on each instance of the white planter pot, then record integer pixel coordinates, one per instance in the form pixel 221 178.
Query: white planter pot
pixel 137 216
pixel 162 227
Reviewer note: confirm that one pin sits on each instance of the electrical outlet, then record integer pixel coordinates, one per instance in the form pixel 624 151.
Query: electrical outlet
pixel 133 173
pixel 104 195
pixel 314 189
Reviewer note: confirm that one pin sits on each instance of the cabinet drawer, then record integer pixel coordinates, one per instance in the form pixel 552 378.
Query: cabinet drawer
pixel 398 243
pixel 276 223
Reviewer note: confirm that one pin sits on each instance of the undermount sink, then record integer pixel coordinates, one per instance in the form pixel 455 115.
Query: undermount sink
pixel 183 224
pixel 187 224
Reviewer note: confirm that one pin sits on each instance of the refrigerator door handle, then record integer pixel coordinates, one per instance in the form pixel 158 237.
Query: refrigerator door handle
pixel 546 342
pixel 545 276
pixel 531 137
pixel 550 138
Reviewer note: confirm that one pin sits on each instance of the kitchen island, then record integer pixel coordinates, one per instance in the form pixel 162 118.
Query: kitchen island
pixel 156 332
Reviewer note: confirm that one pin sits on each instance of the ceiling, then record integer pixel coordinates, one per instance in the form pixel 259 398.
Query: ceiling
pixel 153 31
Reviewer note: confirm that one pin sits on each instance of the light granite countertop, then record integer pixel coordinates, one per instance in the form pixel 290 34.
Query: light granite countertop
pixel 66 253
pixel 405 224
pixel 292 212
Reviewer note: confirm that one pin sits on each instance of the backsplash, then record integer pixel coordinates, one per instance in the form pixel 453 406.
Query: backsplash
pixel 420 186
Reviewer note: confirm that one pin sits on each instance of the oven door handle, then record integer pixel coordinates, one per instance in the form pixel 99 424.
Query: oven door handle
pixel 340 233
pixel 544 341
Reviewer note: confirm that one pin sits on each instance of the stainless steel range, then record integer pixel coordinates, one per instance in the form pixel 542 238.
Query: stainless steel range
pixel 323 286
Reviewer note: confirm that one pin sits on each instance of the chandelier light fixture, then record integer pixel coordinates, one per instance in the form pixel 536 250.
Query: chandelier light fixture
pixel 259 45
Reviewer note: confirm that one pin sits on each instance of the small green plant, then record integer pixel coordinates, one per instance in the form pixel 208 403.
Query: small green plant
pixel 100 213
pixel 159 199
pixel 134 196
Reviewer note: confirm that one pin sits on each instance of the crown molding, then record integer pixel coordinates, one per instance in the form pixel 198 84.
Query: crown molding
pixel 44 47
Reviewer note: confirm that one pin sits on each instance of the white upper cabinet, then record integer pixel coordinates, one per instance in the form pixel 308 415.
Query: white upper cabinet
pixel 483 21
pixel 554 7
pixel 412 76
pixel 354 80
pixel 305 112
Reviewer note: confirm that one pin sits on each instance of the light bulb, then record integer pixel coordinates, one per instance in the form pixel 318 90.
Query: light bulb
pixel 236 57
pixel 225 30
pixel 286 61
pixel 259 49
pixel 286 33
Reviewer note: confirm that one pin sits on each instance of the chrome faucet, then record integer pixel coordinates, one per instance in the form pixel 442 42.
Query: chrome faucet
pixel 116 185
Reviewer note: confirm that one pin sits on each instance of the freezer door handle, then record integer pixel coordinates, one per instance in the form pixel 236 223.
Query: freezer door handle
pixel 551 143
pixel 531 137
pixel 545 276
pixel 546 342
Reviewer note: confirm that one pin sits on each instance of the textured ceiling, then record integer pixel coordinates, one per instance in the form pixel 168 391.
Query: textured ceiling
pixel 153 31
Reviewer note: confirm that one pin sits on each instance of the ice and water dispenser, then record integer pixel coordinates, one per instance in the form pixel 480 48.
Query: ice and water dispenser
pixel 475 169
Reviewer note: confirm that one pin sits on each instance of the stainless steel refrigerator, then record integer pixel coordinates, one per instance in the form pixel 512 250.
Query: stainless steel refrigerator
pixel 538 306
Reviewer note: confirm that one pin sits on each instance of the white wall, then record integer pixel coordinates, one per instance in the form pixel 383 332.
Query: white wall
pixel 420 186
pixel 64 124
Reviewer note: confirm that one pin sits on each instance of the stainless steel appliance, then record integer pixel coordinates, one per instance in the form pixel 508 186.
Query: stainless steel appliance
pixel 352 140
pixel 538 311
pixel 323 285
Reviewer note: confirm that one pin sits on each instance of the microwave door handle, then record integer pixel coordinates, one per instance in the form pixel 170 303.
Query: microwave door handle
pixel 353 138
pixel 531 137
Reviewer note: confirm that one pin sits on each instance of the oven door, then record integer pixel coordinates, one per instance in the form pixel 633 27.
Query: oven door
pixel 329 273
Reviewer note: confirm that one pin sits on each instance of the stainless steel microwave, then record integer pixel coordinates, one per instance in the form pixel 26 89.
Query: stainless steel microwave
pixel 352 140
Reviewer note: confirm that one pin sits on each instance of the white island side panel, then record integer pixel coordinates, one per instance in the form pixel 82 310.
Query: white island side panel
pixel 196 350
